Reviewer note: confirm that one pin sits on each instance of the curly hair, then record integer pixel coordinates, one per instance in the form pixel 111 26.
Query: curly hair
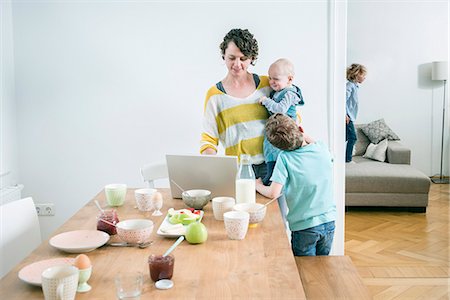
pixel 354 70
pixel 244 40
pixel 283 132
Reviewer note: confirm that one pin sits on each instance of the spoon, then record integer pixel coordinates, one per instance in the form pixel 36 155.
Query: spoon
pixel 98 206
pixel 177 242
pixel 125 244
pixel 107 222
pixel 265 205
pixel 181 189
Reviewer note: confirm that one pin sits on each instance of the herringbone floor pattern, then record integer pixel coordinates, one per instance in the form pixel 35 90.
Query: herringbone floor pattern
pixel 403 255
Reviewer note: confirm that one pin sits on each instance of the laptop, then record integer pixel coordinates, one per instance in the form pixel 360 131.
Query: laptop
pixel 216 173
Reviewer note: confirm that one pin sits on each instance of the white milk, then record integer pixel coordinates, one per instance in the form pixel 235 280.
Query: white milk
pixel 245 191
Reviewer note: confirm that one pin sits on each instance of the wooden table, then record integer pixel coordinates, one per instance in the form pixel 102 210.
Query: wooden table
pixel 331 277
pixel 260 267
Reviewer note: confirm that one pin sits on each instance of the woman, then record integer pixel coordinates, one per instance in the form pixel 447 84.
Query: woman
pixel 232 113
pixel 356 74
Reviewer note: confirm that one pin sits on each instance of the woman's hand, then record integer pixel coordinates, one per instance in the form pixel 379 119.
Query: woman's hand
pixel 347 119
pixel 262 99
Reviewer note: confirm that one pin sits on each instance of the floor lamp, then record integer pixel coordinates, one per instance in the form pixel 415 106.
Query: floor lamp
pixel 440 72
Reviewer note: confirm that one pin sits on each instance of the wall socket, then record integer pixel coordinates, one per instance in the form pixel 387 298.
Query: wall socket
pixel 45 209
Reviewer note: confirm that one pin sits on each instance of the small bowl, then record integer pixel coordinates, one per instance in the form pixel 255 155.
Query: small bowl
pixel 257 211
pixel 135 231
pixel 196 198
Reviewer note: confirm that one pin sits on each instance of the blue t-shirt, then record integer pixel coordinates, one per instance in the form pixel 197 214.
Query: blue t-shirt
pixel 351 103
pixel 306 176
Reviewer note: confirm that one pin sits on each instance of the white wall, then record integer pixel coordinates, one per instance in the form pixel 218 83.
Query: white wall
pixel 397 41
pixel 9 165
pixel 103 88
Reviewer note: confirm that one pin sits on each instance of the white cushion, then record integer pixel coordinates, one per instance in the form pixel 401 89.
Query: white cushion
pixel 377 151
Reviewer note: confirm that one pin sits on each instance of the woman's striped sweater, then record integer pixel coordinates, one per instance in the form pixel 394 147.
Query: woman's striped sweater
pixel 238 123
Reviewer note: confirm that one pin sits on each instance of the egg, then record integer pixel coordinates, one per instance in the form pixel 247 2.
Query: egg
pixel 157 196
pixel 82 261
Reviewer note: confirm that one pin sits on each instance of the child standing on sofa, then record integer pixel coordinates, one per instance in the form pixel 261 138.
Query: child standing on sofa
pixel 304 172
pixel 356 74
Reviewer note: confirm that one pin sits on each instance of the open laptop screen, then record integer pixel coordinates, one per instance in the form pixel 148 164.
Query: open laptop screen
pixel 215 173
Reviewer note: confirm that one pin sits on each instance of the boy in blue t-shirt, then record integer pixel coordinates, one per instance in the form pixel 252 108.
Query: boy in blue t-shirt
pixel 304 172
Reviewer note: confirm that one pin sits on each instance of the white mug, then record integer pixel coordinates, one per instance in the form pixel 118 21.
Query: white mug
pixel 236 224
pixel 60 282
pixel 144 199
pixel 222 205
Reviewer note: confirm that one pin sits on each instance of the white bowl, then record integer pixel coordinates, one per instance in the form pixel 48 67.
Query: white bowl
pixel 135 230
pixel 257 211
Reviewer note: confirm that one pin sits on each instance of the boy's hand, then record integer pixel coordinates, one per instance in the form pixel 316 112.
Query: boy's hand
pixel 262 99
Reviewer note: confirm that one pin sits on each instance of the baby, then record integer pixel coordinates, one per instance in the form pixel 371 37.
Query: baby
pixel 284 99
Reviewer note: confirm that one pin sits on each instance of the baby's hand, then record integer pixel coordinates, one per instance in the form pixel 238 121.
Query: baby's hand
pixel 308 139
pixel 259 182
pixel 262 99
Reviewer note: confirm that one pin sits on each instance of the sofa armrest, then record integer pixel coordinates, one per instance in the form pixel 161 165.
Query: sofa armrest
pixel 397 153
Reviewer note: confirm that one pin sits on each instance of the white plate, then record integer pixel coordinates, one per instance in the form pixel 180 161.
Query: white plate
pixel 32 273
pixel 175 232
pixel 79 241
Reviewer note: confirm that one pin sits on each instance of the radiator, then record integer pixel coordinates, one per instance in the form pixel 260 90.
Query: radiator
pixel 11 193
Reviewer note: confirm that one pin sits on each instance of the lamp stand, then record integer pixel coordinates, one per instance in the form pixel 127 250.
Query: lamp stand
pixel 441 179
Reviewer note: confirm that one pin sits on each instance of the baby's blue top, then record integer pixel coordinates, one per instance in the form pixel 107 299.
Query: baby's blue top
pixel 351 104
pixel 285 102
pixel 306 176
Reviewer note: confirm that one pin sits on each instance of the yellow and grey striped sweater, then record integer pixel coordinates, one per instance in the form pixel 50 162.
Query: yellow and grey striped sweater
pixel 238 123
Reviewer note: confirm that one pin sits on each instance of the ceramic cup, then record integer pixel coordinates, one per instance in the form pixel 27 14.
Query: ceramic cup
pixel 236 224
pixel 222 205
pixel 60 282
pixel 115 194
pixel 144 199
pixel 129 285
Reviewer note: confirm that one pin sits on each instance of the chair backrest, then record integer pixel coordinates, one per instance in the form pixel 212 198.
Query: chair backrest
pixel 20 233
pixel 154 171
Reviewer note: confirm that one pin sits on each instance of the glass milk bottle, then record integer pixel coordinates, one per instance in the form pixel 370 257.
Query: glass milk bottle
pixel 245 181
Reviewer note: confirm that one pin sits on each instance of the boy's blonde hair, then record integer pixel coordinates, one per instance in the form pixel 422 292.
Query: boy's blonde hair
pixel 283 132
pixel 286 65
pixel 354 70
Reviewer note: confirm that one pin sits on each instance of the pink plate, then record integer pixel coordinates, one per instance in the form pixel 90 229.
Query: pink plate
pixel 79 241
pixel 32 273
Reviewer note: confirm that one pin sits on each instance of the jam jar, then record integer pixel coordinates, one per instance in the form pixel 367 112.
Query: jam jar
pixel 109 216
pixel 161 267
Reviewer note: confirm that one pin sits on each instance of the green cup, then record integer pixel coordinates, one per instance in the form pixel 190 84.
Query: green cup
pixel 115 194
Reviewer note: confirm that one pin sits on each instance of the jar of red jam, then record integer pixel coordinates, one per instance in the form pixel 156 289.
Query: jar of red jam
pixel 161 267
pixel 109 216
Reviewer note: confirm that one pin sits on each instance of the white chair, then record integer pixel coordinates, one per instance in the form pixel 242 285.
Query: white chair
pixel 154 171
pixel 20 233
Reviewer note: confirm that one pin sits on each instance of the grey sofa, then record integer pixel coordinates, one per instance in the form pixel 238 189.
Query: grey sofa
pixel 393 183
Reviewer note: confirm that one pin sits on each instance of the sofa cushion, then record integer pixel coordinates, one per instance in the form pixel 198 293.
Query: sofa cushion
pixel 362 142
pixel 377 151
pixel 368 176
pixel 377 131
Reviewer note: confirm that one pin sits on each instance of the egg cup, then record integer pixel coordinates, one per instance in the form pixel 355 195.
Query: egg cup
pixel 84 275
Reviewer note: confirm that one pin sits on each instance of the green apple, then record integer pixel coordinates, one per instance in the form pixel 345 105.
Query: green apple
pixel 196 233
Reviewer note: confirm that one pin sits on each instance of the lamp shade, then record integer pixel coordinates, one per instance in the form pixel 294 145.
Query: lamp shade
pixel 439 70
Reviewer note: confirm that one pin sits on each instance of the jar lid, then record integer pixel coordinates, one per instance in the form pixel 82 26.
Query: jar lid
pixel 164 284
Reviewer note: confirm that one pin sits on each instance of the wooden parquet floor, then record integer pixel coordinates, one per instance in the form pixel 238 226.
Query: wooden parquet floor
pixel 403 255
